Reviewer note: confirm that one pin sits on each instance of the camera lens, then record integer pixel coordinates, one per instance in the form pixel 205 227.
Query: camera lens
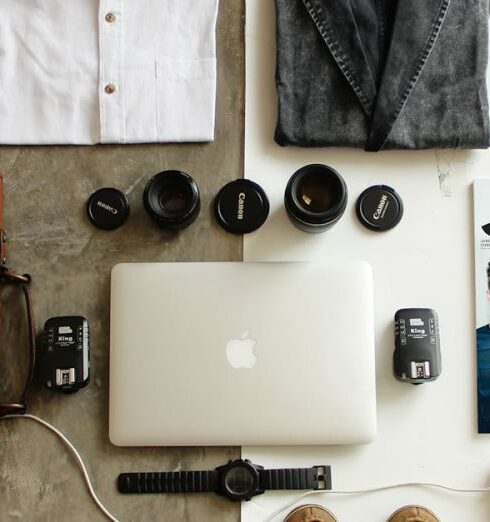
pixel 172 199
pixel 315 198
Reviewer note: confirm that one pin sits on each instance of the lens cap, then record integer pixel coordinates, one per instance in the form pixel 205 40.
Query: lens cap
pixel 379 208
pixel 108 208
pixel 241 206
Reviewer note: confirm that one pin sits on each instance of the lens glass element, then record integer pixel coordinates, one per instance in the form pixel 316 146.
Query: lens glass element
pixel 317 193
pixel 315 198
pixel 239 480
pixel 172 199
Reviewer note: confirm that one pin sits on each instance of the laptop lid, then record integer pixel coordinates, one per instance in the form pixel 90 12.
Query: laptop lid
pixel 241 354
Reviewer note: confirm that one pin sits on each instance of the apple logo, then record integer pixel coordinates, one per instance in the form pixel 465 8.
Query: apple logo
pixel 240 352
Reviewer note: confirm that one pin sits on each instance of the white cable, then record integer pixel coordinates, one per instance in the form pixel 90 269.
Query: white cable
pixel 77 456
pixel 99 504
pixel 374 490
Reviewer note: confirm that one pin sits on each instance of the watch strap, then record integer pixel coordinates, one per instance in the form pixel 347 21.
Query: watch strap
pixel 168 482
pixel 317 477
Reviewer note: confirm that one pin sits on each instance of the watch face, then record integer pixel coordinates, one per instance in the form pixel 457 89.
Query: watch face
pixel 240 480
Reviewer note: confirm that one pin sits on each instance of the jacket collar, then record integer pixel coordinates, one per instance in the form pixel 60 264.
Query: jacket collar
pixel 337 26
pixel 415 31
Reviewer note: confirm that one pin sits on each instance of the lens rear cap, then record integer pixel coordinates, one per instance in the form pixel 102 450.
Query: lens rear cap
pixel 379 208
pixel 241 206
pixel 108 208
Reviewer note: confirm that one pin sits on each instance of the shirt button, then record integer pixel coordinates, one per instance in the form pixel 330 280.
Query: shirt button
pixel 110 17
pixel 110 88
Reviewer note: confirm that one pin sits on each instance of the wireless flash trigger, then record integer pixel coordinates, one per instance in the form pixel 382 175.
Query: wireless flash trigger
pixel 65 358
pixel 417 357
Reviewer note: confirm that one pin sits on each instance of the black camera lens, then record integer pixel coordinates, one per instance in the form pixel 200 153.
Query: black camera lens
pixel 172 199
pixel 315 198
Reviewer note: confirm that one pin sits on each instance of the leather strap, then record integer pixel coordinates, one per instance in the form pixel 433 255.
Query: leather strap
pixel 169 482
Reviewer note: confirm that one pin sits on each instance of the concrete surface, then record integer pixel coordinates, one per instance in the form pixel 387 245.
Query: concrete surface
pixel 70 262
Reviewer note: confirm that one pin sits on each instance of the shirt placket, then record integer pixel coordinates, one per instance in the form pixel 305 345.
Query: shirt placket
pixel 111 87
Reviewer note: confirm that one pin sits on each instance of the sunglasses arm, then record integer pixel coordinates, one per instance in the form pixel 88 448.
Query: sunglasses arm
pixel 3 237
pixel 3 249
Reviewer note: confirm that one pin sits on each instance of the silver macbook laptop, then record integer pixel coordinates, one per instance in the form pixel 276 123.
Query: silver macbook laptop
pixel 241 354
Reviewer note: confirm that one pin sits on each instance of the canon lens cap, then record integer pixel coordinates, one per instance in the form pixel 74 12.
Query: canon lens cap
pixel 241 206
pixel 379 208
pixel 108 208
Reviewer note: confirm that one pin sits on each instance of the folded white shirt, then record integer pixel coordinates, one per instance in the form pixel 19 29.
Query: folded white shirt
pixel 107 71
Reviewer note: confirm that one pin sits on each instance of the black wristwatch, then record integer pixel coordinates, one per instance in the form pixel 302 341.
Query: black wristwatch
pixel 237 480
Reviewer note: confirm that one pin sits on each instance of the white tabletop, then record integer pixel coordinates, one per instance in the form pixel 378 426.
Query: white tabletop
pixel 428 432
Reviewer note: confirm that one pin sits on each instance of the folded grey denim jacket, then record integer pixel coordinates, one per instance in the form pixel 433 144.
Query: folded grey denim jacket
pixel 382 74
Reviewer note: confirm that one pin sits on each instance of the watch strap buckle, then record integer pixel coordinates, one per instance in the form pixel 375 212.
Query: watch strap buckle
pixel 322 478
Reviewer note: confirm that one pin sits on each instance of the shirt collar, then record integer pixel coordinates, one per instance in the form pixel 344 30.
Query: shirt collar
pixel 416 28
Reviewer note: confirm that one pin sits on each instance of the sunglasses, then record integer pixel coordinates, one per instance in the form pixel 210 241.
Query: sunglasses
pixel 19 283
